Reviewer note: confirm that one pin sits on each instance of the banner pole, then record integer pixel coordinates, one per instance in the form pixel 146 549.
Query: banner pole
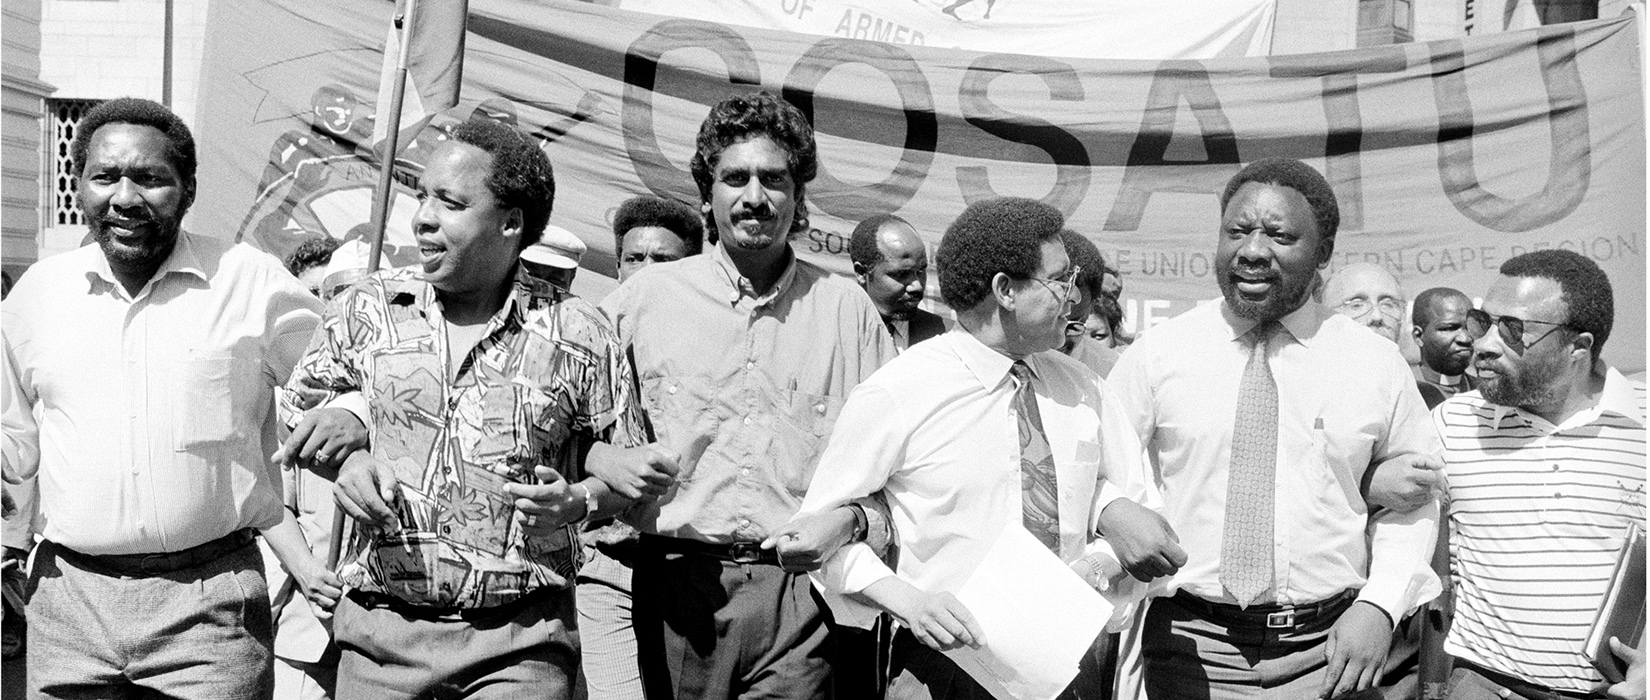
pixel 380 213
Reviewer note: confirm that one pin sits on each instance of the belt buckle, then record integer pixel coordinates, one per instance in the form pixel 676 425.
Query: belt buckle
pixel 745 552
pixel 1280 620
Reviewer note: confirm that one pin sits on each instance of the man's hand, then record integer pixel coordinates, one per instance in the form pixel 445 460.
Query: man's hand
pixel 636 473
pixel 940 621
pixel 805 542
pixel 366 488
pixel 321 588
pixel 1097 570
pixel 1632 687
pixel 1405 482
pixel 1145 544
pixel 547 505
pixel 1357 648
pixel 323 440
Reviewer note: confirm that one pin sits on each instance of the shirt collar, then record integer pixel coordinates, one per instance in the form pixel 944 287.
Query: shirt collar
pixel 738 286
pixel 988 366
pixel 412 289
pixel 1617 397
pixel 1302 323
pixel 183 259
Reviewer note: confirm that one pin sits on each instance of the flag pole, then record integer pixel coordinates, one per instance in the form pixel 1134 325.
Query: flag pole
pixel 380 210
pixel 392 140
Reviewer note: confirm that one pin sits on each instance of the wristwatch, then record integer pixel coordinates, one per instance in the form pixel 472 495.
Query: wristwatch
pixel 589 504
pixel 861 523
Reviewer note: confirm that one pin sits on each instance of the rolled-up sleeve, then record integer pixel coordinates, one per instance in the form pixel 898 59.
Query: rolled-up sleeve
pixel 1400 544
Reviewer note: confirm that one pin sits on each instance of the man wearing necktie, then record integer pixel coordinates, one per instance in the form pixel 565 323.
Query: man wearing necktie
pixel 1264 414
pixel 985 427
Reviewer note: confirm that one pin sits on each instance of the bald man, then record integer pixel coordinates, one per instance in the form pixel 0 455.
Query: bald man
pixel 891 263
pixel 1440 328
pixel 1368 294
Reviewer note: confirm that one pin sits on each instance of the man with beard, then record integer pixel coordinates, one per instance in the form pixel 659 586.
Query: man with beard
pixel 1369 294
pixel 153 357
pixel 745 355
pixel 891 263
pixel 1546 474
pixel 1440 329
pixel 1263 413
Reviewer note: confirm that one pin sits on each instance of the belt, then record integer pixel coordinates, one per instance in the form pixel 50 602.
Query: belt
pixel 373 599
pixel 146 565
pixel 1520 687
pixel 1266 616
pixel 736 552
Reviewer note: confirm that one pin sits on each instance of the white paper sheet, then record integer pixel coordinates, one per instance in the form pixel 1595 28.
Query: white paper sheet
pixel 1038 618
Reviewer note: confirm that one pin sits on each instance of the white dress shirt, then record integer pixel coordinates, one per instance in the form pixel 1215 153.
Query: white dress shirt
pixel 937 432
pixel 156 420
pixel 1346 402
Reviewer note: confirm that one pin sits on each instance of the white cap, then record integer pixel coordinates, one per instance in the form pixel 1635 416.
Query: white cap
pixel 557 248
pixel 348 265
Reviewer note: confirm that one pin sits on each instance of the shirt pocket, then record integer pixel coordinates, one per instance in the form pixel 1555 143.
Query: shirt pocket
pixel 804 425
pixel 203 406
pixel 1341 460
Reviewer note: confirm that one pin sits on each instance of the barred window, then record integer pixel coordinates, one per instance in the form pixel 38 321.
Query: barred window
pixel 65 120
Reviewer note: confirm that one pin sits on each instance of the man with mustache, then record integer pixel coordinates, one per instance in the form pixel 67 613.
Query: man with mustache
pixel 745 355
pixel 1263 412
pixel 1440 319
pixel 1546 474
pixel 891 263
pixel 153 359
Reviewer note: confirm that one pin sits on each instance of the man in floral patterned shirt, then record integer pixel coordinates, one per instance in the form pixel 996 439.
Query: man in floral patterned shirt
pixel 483 394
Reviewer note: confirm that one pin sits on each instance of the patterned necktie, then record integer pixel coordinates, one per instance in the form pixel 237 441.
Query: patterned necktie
pixel 1246 547
pixel 1040 504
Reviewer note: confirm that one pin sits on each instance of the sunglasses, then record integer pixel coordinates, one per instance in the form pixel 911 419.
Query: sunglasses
pixel 1511 328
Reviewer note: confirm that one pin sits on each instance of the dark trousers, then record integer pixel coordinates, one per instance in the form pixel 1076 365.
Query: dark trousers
pixel 1191 653
pixel 921 673
pixel 713 629
pixel 1472 682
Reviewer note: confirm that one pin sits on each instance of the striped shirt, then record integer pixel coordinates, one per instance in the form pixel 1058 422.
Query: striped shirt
pixel 1538 514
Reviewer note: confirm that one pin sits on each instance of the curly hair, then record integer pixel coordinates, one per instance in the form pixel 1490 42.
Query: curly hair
pixel 742 117
pixel 863 249
pixel 521 176
pixel 1295 175
pixel 1584 288
pixel 996 235
pixel 315 251
pixel 180 144
pixel 1084 254
pixel 668 214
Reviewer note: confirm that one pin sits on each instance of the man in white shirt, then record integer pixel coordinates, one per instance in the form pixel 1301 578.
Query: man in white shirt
pixel 153 359
pixel 1263 413
pixel 985 427
pixel 1546 476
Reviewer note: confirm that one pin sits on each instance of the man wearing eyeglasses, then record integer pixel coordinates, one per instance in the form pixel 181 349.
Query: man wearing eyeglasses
pixel 985 427
pixel 1263 413
pixel 1546 466
pixel 1368 294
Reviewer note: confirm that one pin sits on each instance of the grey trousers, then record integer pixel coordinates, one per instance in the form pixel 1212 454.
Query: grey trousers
pixel 198 633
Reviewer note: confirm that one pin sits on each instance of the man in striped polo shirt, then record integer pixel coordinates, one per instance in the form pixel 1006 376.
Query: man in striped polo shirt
pixel 1546 465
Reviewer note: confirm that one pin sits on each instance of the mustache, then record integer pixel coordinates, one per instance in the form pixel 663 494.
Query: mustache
pixel 759 212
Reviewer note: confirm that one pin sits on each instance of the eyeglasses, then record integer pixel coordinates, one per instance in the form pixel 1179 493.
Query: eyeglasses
pixel 1510 327
pixel 1359 308
pixel 1065 285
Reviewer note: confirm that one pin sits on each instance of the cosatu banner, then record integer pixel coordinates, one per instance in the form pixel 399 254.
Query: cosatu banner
pixel 1447 157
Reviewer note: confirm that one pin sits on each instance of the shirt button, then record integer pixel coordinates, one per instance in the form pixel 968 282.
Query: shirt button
pixel 750 364
pixel 747 420
pixel 1555 467
pixel 743 471
pixel 820 408
pixel 672 389
pixel 743 522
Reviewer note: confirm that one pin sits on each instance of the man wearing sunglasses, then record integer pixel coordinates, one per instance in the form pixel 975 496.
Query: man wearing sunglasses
pixel 1545 467
pixel 1263 414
